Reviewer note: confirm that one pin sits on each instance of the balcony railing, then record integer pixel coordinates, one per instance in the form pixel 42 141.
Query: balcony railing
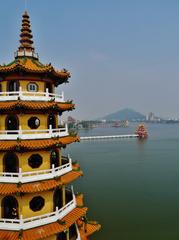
pixel 31 96
pixel 27 223
pixel 78 233
pixel 34 134
pixel 26 177
pixel 26 54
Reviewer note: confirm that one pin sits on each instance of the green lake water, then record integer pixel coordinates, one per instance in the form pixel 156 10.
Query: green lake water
pixel 131 187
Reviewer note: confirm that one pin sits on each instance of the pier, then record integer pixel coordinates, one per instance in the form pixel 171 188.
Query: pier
pixel 110 137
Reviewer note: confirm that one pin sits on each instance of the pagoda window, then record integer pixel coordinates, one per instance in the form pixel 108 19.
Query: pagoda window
pixel 37 203
pixel 73 232
pixel 57 198
pixel 35 161
pixel 12 123
pixel 0 87
pixel 48 87
pixel 9 208
pixel 13 86
pixel 62 236
pixel 32 87
pixel 10 163
pixel 52 121
pixel 33 122
pixel 54 158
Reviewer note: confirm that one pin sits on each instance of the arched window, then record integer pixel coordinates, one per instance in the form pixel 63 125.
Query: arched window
pixel 57 198
pixel 13 86
pixel 54 158
pixel 52 121
pixel 12 123
pixel 9 207
pixel 10 163
pixel 32 87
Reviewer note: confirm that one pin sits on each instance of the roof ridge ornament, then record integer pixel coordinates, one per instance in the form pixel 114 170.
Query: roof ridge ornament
pixel 26 48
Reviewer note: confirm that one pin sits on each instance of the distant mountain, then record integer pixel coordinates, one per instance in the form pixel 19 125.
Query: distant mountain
pixel 124 114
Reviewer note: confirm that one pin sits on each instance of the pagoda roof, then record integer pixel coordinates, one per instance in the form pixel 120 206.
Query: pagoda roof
pixel 40 186
pixel 46 230
pixel 90 228
pixel 32 65
pixel 32 105
pixel 23 145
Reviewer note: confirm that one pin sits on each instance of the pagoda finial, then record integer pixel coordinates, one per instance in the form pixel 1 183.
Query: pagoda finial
pixel 26 42
pixel 26 38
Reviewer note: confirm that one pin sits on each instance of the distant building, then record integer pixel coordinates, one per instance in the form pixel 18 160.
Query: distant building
pixel 150 116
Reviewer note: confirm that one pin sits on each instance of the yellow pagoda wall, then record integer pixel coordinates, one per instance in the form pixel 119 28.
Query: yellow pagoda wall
pixel 24 201
pixel 23 121
pixel 23 204
pixel 23 160
pixel 54 237
pixel 48 207
pixel 4 86
pixel 24 85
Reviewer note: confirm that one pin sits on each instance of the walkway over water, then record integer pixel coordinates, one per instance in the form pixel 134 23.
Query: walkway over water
pixel 110 137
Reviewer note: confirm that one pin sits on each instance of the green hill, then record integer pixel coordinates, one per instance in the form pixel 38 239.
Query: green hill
pixel 125 114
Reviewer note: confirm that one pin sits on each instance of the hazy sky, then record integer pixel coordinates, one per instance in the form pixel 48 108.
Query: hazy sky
pixel 121 53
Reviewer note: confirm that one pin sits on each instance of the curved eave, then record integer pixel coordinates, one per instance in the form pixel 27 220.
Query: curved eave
pixel 46 230
pixel 6 189
pixel 30 145
pixel 90 228
pixel 28 65
pixel 32 105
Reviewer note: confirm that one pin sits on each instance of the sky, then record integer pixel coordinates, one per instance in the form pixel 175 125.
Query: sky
pixel 121 53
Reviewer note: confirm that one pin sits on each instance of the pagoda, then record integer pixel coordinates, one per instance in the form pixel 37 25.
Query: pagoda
pixel 141 131
pixel 37 199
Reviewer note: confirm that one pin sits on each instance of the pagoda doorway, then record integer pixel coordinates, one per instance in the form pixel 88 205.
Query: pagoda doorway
pixel 62 236
pixel 13 86
pixel 9 207
pixel 68 195
pixel 10 163
pixel 57 198
pixel 48 86
pixel 12 123
pixel 73 232
pixel 54 158
pixel 52 121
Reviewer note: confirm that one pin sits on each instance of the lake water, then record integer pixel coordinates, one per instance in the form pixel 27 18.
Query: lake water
pixel 131 187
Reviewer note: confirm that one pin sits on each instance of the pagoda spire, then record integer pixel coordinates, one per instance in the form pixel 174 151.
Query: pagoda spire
pixel 26 38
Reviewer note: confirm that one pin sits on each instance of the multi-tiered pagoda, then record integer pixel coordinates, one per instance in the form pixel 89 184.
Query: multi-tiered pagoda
pixel 36 199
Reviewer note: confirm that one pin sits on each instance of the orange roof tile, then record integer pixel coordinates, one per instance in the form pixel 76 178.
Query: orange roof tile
pixel 8 188
pixel 31 65
pixel 36 144
pixel 47 230
pixel 30 105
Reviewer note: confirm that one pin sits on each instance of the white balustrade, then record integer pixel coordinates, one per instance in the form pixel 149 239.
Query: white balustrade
pixel 25 177
pixel 34 134
pixel 31 96
pixel 26 54
pixel 27 223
